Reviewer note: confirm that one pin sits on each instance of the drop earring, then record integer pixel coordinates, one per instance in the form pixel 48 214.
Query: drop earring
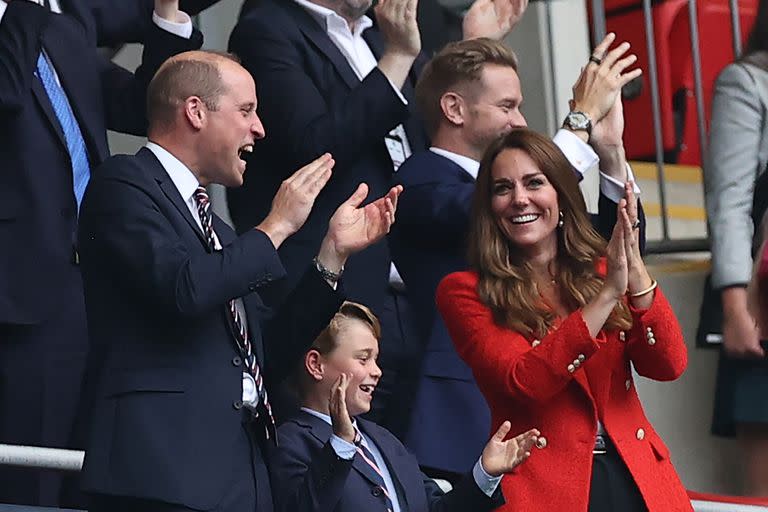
pixel 561 221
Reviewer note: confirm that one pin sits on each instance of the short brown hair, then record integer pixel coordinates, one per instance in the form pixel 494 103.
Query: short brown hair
pixel 327 340
pixel 457 63
pixel 182 76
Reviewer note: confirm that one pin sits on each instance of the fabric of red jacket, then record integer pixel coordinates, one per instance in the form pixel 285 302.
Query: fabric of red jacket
pixel 528 382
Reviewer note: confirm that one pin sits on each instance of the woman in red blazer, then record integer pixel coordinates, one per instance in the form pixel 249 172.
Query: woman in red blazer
pixel 551 320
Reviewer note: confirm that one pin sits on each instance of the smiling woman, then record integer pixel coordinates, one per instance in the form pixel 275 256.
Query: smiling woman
pixel 549 319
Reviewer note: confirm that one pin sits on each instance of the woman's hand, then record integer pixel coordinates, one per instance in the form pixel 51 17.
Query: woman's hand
pixel 617 276
pixel 638 278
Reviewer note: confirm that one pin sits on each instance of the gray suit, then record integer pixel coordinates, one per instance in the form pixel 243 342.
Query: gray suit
pixel 738 153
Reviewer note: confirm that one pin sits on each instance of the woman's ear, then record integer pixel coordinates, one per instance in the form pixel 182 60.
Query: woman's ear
pixel 313 365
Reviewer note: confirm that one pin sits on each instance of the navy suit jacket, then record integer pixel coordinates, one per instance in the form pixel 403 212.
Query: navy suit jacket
pixel 308 476
pixel 37 205
pixel 428 242
pixel 166 417
pixel 312 102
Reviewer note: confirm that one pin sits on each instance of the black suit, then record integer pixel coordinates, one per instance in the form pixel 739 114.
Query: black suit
pixel 167 422
pixel 42 317
pixel 310 477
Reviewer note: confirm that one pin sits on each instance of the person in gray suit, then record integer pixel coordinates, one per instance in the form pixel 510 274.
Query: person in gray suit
pixel 737 155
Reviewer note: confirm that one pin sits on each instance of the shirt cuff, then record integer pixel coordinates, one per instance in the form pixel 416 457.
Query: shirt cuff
pixel 342 448
pixel 613 189
pixel 579 153
pixel 181 28
pixel 397 91
pixel 3 7
pixel 484 481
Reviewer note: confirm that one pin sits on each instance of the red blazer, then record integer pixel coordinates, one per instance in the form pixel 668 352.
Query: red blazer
pixel 561 385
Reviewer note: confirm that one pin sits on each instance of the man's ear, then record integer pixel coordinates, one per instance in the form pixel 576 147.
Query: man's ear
pixel 453 107
pixel 313 365
pixel 195 112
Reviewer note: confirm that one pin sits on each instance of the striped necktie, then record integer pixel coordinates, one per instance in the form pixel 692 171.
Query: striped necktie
pixel 369 459
pixel 78 155
pixel 240 328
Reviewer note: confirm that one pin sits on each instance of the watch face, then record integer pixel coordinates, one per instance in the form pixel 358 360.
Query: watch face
pixel 577 120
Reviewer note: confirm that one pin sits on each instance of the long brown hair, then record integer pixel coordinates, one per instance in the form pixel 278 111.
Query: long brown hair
pixel 505 276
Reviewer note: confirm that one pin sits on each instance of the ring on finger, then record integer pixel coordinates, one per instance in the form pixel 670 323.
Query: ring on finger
pixel 636 224
pixel 595 59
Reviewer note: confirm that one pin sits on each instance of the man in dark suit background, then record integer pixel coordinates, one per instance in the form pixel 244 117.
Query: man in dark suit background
pixel 331 460
pixel 332 80
pixel 57 99
pixel 470 94
pixel 182 353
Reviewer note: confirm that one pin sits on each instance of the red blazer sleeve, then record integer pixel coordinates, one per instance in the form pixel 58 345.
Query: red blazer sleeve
pixel 656 345
pixel 503 359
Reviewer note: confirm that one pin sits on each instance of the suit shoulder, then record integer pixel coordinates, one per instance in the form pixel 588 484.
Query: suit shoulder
pixel 418 168
pixel 120 167
pixel 266 15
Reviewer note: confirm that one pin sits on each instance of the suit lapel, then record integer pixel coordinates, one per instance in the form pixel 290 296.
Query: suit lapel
pixel 171 192
pixel 318 37
pixel 399 463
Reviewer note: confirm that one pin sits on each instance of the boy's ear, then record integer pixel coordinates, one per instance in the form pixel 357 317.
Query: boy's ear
pixel 313 365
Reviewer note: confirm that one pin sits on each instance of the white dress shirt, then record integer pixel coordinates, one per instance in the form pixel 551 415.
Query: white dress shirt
pixel 186 183
pixel 347 450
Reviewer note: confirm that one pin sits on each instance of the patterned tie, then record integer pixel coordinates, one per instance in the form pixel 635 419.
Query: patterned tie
pixel 369 459
pixel 240 328
pixel 78 155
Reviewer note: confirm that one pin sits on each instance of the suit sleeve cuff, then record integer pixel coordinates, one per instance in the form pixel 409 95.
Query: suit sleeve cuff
pixel 342 448
pixel 613 189
pixel 487 483
pixel 398 92
pixel 579 153
pixel 182 27
pixel 3 7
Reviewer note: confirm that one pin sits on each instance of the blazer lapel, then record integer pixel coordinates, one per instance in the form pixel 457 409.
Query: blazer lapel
pixel 171 192
pixel 319 38
pixel 45 105
pixel 399 462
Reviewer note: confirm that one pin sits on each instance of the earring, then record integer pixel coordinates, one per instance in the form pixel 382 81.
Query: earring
pixel 561 221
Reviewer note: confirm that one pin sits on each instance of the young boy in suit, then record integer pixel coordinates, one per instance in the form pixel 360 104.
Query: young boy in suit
pixel 330 460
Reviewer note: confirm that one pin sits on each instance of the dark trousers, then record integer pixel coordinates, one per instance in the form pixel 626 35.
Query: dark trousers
pixel 249 491
pixel 41 371
pixel 613 488
pixel 401 350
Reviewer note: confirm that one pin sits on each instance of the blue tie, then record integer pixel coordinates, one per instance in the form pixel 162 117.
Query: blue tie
pixel 81 171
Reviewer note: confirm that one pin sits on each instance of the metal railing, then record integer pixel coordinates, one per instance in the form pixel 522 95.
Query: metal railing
pixel 598 16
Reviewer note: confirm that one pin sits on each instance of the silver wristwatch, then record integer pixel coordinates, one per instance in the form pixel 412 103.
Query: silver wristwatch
pixel 578 121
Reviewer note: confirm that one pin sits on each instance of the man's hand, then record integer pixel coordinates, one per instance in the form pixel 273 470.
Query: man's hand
pixel 500 456
pixel 492 18
pixel 169 10
pixel 595 91
pixel 295 198
pixel 337 406
pixel 353 228
pixel 397 21
pixel 608 141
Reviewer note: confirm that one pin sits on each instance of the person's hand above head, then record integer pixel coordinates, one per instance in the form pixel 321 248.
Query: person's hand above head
pixel 353 227
pixel 602 78
pixel 337 406
pixel 295 198
pixel 396 20
pixel 494 19
pixel 501 456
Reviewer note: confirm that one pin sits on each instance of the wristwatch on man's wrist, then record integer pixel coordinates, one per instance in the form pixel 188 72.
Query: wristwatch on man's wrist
pixel 578 121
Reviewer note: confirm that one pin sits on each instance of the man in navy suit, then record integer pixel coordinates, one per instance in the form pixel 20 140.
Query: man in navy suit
pixel 333 81
pixel 470 94
pixel 182 351
pixel 57 99
pixel 331 460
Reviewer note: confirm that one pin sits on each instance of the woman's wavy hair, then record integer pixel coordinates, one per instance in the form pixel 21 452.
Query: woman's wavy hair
pixel 505 277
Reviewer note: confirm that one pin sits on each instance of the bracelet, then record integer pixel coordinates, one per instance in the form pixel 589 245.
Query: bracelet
pixel 648 290
pixel 328 275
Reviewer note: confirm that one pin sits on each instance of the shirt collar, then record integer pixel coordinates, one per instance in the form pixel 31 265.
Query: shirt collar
pixel 186 182
pixel 330 20
pixel 466 163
